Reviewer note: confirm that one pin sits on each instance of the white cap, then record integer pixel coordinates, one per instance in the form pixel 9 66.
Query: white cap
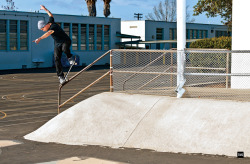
pixel 41 24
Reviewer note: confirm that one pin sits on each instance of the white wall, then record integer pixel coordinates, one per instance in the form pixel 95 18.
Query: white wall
pixel 240 41
pixel 44 50
pixel 136 28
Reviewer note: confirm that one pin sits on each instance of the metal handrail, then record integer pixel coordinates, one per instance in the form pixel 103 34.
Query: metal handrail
pixel 143 50
pixel 73 77
pixel 86 68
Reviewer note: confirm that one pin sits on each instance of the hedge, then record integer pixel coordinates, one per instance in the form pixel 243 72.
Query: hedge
pixel 213 43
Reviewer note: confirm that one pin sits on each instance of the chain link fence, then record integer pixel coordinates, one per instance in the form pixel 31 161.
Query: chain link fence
pixel 219 74
pixel 144 72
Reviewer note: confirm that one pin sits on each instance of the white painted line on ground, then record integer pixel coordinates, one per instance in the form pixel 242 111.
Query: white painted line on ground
pixel 5 143
pixel 82 160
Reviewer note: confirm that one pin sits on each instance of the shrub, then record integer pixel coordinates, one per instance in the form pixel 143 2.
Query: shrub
pixel 213 43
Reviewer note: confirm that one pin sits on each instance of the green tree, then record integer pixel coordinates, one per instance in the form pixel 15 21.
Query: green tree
pixel 214 8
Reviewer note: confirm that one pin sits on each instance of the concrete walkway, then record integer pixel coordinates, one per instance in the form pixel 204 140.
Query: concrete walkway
pixel 152 122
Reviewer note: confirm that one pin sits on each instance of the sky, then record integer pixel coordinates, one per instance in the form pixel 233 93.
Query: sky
pixel 123 9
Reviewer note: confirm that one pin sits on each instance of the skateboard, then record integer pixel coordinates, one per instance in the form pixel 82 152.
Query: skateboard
pixel 74 63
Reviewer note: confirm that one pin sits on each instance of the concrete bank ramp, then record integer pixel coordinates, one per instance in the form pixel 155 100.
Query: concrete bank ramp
pixel 152 122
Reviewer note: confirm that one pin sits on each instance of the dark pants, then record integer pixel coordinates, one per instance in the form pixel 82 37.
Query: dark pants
pixel 58 50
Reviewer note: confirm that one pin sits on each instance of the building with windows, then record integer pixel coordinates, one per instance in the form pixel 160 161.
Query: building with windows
pixel 158 34
pixel 91 37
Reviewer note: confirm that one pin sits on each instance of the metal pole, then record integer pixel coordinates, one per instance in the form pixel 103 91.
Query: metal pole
pixel 181 44
pixel 59 99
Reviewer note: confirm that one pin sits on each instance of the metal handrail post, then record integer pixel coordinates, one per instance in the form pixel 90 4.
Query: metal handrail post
pixel 59 99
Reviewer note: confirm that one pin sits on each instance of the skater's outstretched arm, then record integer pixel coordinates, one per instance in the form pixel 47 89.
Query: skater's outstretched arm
pixel 47 34
pixel 47 11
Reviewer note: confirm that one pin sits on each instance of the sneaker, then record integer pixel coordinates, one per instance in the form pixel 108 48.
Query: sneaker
pixel 71 61
pixel 61 79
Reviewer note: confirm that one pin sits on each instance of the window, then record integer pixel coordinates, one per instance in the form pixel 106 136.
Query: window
pixel 173 36
pixel 74 36
pixel 222 33
pixel 99 37
pixel 106 37
pixel 23 35
pixel 83 36
pixel 91 37
pixel 159 36
pixel 187 33
pixel 3 35
pixel 17 34
pixel 67 28
pixel 159 33
pixel 191 34
pixel 96 37
pixel 13 35
pixel 170 34
pixel 205 33
pixel 195 34
pixel 200 34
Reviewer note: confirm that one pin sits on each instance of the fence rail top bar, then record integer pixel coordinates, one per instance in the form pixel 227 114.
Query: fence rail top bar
pixel 142 50
pixel 216 51
pixel 217 74
pixel 186 50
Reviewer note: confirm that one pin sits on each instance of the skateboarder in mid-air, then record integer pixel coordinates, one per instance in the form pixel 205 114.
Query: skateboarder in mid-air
pixel 62 42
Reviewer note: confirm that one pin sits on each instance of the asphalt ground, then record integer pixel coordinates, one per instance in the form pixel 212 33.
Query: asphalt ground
pixel 28 99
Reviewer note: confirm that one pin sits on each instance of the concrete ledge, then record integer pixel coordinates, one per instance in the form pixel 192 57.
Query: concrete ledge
pixel 153 122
